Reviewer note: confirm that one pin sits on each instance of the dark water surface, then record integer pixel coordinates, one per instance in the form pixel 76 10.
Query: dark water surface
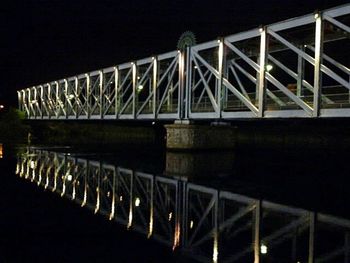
pixel 146 205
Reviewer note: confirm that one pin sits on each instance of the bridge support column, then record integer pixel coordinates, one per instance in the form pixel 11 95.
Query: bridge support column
pixel 184 135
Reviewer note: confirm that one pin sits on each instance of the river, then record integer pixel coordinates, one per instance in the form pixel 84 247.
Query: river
pixel 87 204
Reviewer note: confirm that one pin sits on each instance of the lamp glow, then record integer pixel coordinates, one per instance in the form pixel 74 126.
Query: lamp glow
pixel 263 249
pixel 137 202
pixel 269 67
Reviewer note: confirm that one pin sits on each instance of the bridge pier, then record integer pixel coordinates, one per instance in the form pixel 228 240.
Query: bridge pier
pixel 184 135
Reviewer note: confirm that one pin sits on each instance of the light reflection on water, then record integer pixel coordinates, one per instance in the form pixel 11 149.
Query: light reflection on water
pixel 207 224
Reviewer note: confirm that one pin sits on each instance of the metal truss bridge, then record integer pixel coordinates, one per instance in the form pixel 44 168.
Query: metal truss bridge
pixel 207 224
pixel 295 68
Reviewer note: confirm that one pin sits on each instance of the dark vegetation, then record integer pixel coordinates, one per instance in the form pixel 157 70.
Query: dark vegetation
pixel 12 126
pixel 102 133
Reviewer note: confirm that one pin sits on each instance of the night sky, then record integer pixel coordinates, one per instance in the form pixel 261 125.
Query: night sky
pixel 47 40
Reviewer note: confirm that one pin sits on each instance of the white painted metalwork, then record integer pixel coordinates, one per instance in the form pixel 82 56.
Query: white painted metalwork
pixel 294 68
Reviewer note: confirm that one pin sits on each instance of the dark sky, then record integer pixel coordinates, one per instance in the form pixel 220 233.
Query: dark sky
pixel 46 40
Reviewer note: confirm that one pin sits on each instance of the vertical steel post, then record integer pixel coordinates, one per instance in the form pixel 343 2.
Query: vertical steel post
pixel 37 99
pixel 35 102
pixel 116 95
pixel 28 101
pixel 36 96
pixel 45 99
pixel 76 84
pixel 58 103
pixel 221 62
pixel 312 223
pixel 32 101
pixel 154 86
pixel 88 100
pixel 181 91
pixel 101 93
pixel 46 102
pixel 188 71
pixel 49 99
pixel 134 83
pixel 150 90
pixel 301 71
pixel 22 102
pixel 66 97
pixel 318 63
pixel 41 88
pixel 257 230
pixel 262 71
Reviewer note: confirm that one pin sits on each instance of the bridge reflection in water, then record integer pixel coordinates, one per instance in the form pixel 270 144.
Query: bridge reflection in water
pixel 207 224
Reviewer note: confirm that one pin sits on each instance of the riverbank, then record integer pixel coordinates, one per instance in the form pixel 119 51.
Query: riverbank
pixel 106 134
pixel 13 129
pixel 273 134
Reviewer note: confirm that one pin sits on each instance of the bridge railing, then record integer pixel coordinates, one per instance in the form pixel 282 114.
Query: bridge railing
pixel 294 68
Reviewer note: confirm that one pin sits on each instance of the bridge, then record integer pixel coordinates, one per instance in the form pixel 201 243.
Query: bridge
pixel 294 68
pixel 207 224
